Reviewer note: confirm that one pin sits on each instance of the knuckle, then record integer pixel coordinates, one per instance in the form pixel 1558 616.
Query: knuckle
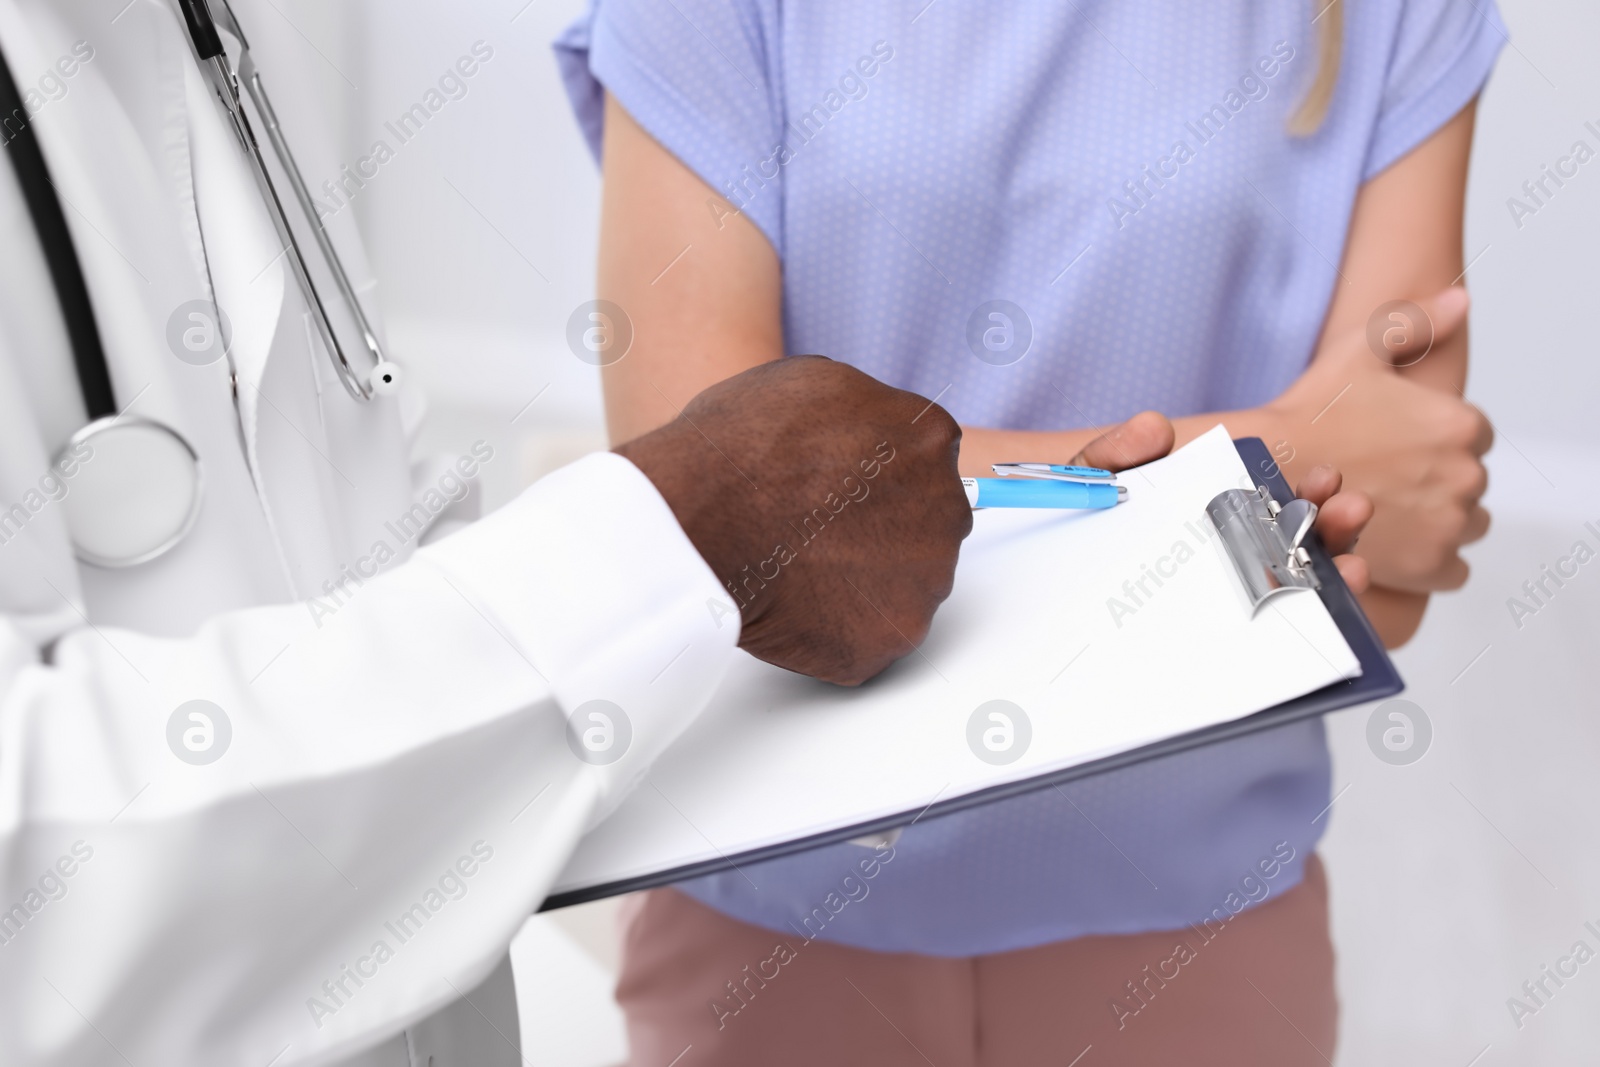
pixel 1454 574
pixel 1427 562
pixel 956 522
pixel 939 588
pixel 1440 413
pixel 947 429
pixel 852 674
pixel 1435 552
pixel 1466 425
pixel 1485 521
pixel 916 629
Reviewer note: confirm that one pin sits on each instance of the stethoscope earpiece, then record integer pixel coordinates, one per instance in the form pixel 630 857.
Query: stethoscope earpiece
pixel 385 378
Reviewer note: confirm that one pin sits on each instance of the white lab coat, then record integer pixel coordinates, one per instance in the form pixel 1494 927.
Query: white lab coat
pixel 398 792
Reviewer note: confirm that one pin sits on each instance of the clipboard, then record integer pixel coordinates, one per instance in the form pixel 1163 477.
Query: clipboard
pixel 1304 563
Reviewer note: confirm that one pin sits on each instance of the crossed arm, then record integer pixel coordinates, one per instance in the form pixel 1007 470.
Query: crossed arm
pixel 1402 434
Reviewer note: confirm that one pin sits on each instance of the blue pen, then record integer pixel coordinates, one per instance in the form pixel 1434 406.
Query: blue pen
pixel 1041 493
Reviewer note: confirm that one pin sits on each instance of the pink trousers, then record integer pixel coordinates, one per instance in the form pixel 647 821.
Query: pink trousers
pixel 702 990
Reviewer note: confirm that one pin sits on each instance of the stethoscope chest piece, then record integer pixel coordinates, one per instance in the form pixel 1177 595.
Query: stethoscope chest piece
pixel 134 490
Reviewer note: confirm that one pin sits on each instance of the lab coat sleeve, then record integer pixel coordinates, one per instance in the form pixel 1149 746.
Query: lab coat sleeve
pixel 395 792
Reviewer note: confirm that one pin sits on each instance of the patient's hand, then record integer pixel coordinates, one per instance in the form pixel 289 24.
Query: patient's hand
pixel 1417 448
pixel 1341 515
pixel 828 504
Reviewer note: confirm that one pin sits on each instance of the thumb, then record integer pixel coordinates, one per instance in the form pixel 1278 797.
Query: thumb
pixel 1401 333
pixel 1145 437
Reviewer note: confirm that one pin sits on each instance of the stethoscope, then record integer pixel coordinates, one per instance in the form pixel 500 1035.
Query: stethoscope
pixel 136 484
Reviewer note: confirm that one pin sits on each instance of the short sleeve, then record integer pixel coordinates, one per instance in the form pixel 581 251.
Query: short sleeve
pixel 1443 51
pixel 700 76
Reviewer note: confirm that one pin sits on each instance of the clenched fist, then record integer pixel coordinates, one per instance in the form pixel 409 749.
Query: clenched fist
pixel 828 504
pixel 1415 449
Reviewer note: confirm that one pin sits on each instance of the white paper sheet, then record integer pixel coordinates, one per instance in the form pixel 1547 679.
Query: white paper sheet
pixel 1109 629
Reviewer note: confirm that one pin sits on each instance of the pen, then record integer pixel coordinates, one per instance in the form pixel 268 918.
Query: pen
pixel 1056 471
pixel 1040 493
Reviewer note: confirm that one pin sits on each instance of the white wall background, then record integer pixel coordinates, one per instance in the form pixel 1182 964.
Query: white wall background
pixel 1454 879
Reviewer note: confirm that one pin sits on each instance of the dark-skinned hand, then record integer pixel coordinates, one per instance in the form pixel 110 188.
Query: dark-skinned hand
pixel 827 503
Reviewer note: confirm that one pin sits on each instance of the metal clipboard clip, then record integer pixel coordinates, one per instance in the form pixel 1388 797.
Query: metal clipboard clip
pixel 1264 540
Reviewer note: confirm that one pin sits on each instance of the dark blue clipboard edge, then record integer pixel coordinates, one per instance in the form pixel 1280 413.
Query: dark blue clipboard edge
pixel 1378 679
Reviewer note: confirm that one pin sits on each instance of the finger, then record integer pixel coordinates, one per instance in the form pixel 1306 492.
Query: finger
pixel 1477 525
pixel 1353 569
pixel 1341 520
pixel 1147 436
pixel 1452 575
pixel 1485 436
pixel 1319 483
pixel 1467 479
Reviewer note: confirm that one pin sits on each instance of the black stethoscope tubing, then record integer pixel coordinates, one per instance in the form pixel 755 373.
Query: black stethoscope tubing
pixel 66 272
pixel 142 452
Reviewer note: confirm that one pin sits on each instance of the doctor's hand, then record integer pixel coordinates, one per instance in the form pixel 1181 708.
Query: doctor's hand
pixel 827 503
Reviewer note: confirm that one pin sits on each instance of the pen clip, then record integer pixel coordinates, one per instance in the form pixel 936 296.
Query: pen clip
pixel 1054 472
pixel 1081 472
